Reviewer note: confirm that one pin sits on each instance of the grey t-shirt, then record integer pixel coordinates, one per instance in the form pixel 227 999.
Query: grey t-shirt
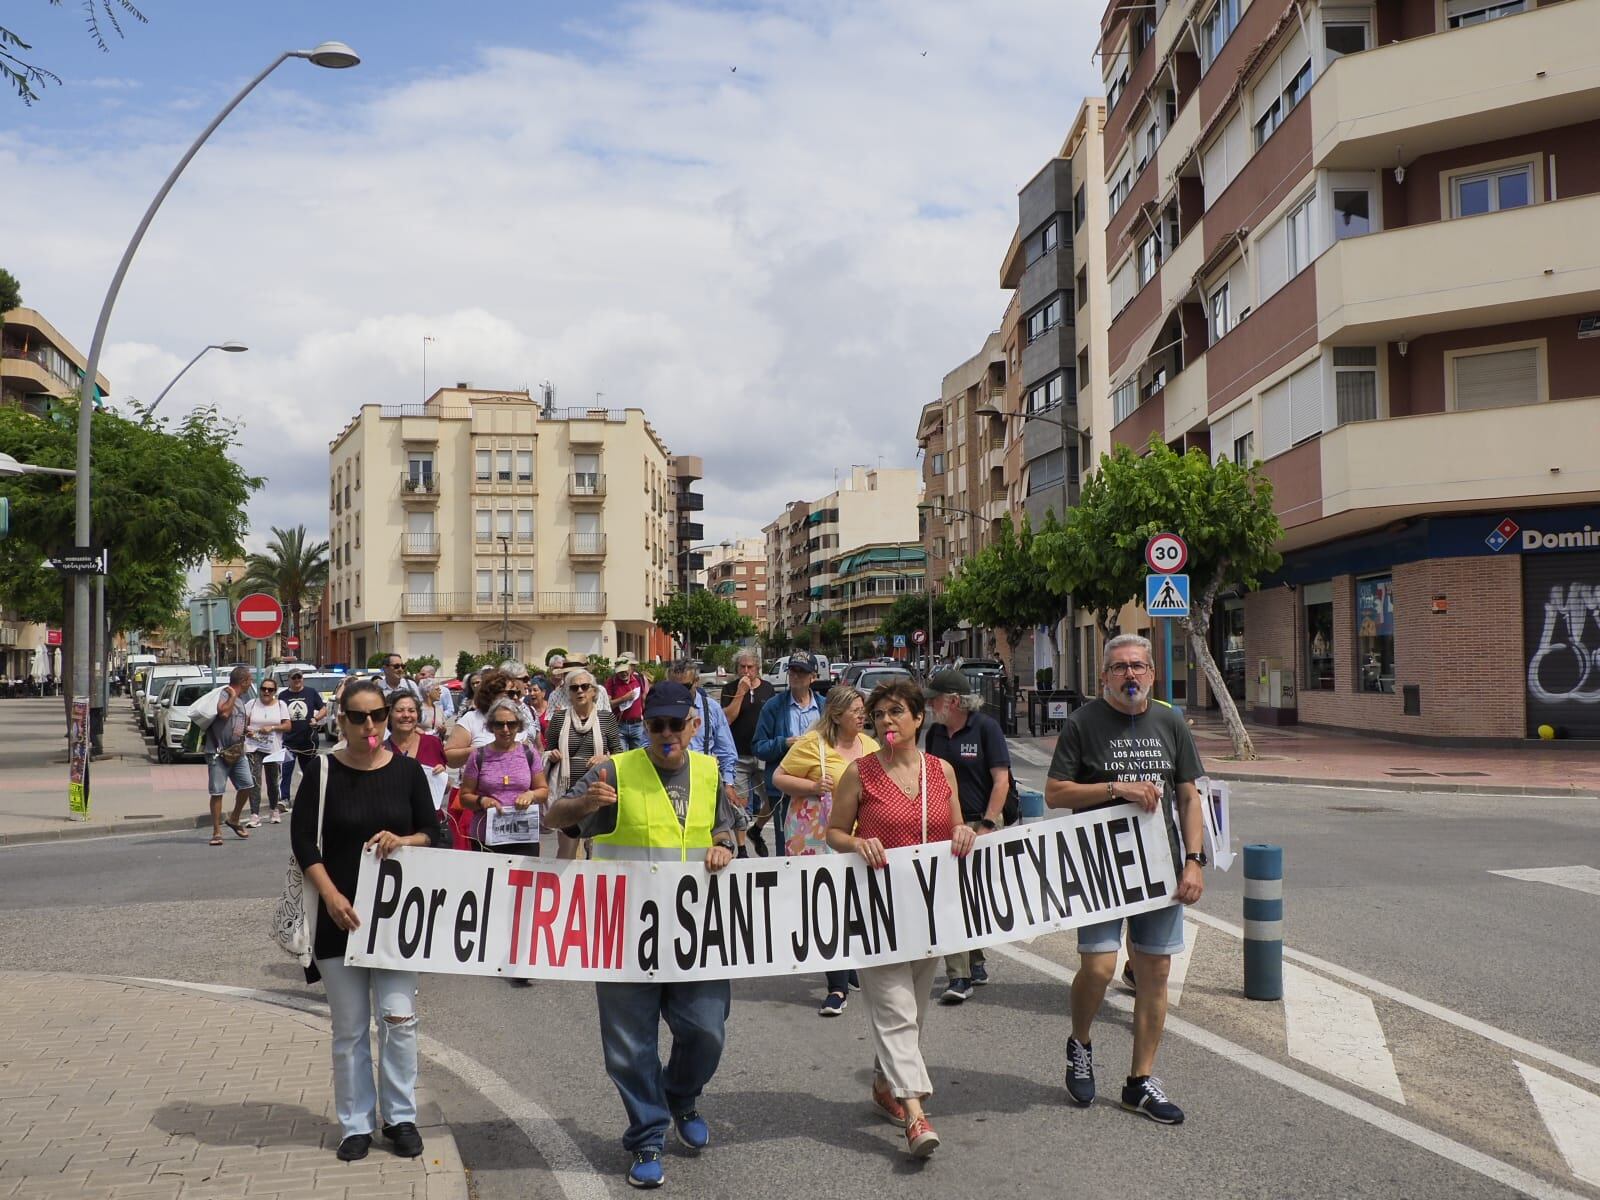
pixel 1098 744
pixel 604 819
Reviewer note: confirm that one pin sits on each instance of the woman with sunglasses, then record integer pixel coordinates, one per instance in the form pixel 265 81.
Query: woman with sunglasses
pixel 266 721
pixel 503 775
pixel 579 737
pixel 472 727
pixel 373 797
pixel 898 796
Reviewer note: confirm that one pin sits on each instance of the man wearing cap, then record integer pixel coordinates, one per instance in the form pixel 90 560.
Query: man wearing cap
pixel 783 720
pixel 306 712
pixel 972 742
pixel 661 803
pixel 626 689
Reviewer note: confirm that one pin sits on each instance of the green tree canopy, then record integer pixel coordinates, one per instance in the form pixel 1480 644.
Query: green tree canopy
pixel 699 617
pixel 1223 511
pixel 10 293
pixel 1000 587
pixel 294 569
pixel 910 613
pixel 23 75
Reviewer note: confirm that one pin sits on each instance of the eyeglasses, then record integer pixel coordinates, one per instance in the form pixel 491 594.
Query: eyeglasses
pixel 505 724
pixel 269 691
pixel 885 713
pixel 359 716
pixel 580 687
pixel 395 666
pixel 1125 668
pixel 663 724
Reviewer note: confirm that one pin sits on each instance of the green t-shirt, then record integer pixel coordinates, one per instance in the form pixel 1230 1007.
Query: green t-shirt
pixel 1098 744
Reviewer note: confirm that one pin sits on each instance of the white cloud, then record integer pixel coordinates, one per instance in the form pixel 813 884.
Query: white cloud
pixel 778 264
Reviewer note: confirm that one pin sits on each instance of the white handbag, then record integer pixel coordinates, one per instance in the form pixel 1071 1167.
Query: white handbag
pixel 204 710
pixel 294 922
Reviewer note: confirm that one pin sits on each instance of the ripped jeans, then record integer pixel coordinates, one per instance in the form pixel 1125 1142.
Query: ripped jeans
pixel 353 994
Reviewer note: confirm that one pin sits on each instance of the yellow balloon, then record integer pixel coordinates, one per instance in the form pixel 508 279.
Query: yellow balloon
pixel 1547 732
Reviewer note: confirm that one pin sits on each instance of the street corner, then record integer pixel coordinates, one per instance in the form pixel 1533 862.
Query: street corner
pixel 119 1087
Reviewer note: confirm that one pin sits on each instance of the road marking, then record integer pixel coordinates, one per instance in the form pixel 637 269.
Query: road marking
pixel 1572 1116
pixel 577 1177
pixel 1336 1029
pixel 1029 755
pixel 1579 879
pixel 1512 1042
pixel 1353 1106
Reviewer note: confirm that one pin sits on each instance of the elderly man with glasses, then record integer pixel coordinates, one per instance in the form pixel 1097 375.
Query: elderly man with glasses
pixel 1116 749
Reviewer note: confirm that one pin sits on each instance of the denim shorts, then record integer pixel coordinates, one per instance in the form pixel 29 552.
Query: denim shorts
pixel 1158 932
pixel 219 773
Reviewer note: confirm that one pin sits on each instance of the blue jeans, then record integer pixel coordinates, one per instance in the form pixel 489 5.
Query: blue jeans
pixel 632 733
pixel 630 1030
pixel 353 995
pixel 1158 932
pixel 291 760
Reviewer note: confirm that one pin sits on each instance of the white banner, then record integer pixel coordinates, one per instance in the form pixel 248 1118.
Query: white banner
pixel 494 914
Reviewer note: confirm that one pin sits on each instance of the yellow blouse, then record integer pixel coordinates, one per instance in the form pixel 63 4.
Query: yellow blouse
pixel 804 762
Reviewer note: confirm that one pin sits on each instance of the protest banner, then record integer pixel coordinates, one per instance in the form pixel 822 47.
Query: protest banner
pixel 493 914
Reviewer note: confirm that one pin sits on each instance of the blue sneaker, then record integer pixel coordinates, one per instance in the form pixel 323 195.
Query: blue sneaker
pixel 957 991
pixel 646 1169
pixel 832 1004
pixel 1143 1094
pixel 1080 1072
pixel 980 974
pixel 692 1131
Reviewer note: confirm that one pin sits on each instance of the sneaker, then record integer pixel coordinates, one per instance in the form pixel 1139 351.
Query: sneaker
pixel 855 982
pixel 519 981
pixel 692 1131
pixel 1080 1072
pixel 980 974
pixel 646 1169
pixel 832 1004
pixel 276 819
pixel 1143 1094
pixel 921 1140
pixel 887 1103
pixel 757 839
pixel 252 822
pixel 403 1139
pixel 1128 980
pixel 354 1148
pixel 958 990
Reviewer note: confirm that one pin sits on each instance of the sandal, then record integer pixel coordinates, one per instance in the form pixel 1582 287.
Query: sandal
pixel 216 840
pixel 235 826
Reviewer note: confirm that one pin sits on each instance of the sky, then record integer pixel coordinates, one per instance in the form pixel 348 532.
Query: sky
pixel 772 226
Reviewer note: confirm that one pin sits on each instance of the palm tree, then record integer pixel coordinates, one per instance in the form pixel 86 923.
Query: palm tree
pixel 293 569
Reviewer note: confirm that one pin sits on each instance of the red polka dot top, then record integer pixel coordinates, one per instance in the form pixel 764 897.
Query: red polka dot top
pixel 894 818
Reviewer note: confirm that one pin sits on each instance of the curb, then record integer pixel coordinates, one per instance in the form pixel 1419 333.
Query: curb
pixel 1410 785
pixel 87 829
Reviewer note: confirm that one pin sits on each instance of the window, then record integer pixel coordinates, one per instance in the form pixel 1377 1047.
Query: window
pixel 1244 449
pixel 1083 287
pixel 419 469
pixel 1114 89
pixel 524 524
pixel 1120 189
pixel 1497 379
pixel 1355 384
pixel 1352 212
pixel 938 464
pixel 1124 400
pixel 1047 471
pixel 1341 37
pixel 1220 323
pixel 1152 139
pixel 481 521
pixel 1300 243
pixel 524 466
pixel 1504 187
pixel 1461 13
pixel 1215 29
pixel 1280 87
pixel 1375 633
pixel 1080 208
pixel 524 585
pixel 1149 258
pixel 503 466
pixel 481 468
pixel 1044 318
pixel 1043 243
pixel 483 586
pixel 1048 394
pixel 1317 599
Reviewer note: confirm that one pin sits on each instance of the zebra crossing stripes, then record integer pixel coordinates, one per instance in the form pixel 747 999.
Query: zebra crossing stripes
pixel 1336 1029
pixel 1579 879
pixel 1028 754
pixel 1572 1115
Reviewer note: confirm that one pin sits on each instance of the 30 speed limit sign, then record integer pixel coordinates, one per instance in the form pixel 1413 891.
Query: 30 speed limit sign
pixel 1166 553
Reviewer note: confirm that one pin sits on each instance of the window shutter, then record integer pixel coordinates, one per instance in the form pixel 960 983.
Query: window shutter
pixel 1305 403
pixel 1272 253
pixel 1497 380
pixel 1214 164
pixel 1222 438
pixel 1275 425
pixel 1237 136
pixel 1122 288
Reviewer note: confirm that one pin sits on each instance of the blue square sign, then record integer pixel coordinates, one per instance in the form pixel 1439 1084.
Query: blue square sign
pixel 1166 595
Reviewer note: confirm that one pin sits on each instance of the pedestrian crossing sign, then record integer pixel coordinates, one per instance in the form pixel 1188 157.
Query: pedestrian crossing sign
pixel 1166 595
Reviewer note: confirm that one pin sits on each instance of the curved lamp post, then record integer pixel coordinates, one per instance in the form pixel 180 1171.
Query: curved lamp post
pixel 226 347
pixel 334 55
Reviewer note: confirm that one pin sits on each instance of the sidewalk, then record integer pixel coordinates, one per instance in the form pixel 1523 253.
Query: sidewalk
pixel 1306 756
pixel 111 1090
pixel 129 790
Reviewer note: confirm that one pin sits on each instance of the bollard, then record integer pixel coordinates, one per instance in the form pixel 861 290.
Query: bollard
pixel 1263 922
pixel 1030 805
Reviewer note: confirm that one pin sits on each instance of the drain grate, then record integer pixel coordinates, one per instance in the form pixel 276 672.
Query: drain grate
pixel 1358 808
pixel 1465 774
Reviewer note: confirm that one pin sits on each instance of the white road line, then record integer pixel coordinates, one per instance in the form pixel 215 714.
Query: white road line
pixel 574 1174
pixel 1579 879
pixel 1353 1106
pixel 1572 1116
pixel 1177 972
pixel 1336 1029
pixel 1029 755
pixel 1512 1042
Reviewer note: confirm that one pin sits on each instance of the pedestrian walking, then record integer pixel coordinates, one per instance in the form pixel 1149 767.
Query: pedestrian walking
pixel 1120 748
pixel 427 680
pixel 661 803
pixel 408 739
pixel 807 775
pixel 626 690
pixel 374 797
pixel 503 775
pixel 472 726
pixel 538 701
pixel 394 678
pixel 266 721
pixel 782 722
pixel 307 710
pixel 712 736
pixel 898 796
pixel 972 742
pixel 226 762
pixel 579 737
pixel 561 673
pixel 742 700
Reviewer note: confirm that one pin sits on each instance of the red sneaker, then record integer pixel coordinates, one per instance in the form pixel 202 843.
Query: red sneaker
pixel 887 1103
pixel 921 1140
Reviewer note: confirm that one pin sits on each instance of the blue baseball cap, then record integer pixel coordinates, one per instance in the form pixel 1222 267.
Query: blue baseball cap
pixel 668 699
pixel 802 662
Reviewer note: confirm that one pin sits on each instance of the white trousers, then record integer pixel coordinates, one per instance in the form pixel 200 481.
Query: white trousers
pixel 897 1005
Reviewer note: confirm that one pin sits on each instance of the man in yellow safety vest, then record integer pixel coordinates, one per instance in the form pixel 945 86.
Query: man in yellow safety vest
pixel 659 803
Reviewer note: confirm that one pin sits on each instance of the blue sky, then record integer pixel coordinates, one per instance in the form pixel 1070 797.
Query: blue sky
pixel 585 194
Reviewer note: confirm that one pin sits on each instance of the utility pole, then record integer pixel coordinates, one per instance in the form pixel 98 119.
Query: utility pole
pixel 505 591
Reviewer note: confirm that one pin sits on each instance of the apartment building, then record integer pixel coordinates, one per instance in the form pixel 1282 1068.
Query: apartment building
pixel 687 505
pixel 1354 242
pixel 875 505
pixel 483 520
pixel 867 582
pixel 737 571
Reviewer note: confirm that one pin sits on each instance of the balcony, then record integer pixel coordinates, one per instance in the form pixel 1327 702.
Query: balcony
pixel 586 545
pixel 1535 70
pixel 487 604
pixel 419 491
pixel 419 545
pixel 1522 264
pixel 690 531
pixel 686 468
pixel 587 486
pixel 691 502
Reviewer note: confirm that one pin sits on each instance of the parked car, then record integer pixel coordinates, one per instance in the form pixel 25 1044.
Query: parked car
pixel 864 677
pixel 172 715
pixel 145 703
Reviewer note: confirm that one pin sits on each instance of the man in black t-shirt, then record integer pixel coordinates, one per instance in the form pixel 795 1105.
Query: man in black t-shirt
pixel 742 699
pixel 972 742
pixel 306 711
pixel 1124 747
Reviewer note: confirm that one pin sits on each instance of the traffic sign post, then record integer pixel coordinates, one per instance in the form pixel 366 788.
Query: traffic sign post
pixel 1166 553
pixel 292 645
pixel 259 616
pixel 1166 596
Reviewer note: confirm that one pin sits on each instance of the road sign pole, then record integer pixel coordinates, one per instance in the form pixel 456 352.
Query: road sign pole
pixel 1167 622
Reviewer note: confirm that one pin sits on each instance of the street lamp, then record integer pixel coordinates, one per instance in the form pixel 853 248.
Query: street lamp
pixel 333 55
pixel 505 593
pixel 227 347
pixel 9 466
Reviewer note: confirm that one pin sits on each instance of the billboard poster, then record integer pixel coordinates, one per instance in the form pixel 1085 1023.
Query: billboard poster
pixel 78 769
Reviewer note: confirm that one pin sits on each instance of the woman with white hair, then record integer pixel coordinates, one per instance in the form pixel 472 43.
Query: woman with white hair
pixel 578 737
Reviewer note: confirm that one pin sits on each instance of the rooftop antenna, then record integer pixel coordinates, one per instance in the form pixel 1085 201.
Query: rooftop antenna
pixel 547 392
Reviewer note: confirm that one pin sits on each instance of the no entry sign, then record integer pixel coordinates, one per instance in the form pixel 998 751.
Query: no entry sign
pixel 258 615
pixel 291 644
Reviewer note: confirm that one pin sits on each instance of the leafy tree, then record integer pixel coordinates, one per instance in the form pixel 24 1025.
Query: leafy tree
pixel 910 613
pixel 774 642
pixel 413 665
pixel 802 638
pixel 701 617
pixel 831 636
pixel 23 75
pixel 467 662
pixel 10 293
pixel 162 503
pixel 1001 588
pixel 1223 511
pixel 293 569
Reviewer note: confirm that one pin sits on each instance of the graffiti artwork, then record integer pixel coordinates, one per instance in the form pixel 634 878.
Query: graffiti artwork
pixel 1561 617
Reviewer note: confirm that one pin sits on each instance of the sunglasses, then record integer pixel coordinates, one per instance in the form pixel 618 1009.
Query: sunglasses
pixel 360 716
pixel 581 687
pixel 269 691
pixel 505 724
pixel 664 724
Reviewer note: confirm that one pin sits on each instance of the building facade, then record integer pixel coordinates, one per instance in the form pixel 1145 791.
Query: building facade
pixel 1327 255
pixel 737 572
pixel 483 521
pixel 867 582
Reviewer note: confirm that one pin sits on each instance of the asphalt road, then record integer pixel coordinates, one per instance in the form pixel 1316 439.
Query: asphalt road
pixel 1400 896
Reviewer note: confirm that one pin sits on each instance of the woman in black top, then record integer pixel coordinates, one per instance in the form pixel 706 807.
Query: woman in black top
pixel 380 799
pixel 578 737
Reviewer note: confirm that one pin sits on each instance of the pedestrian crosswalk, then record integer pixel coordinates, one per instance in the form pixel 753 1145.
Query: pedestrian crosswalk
pixel 1579 879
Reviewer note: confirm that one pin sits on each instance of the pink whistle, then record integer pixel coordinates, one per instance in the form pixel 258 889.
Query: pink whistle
pixel 889 736
pixel 372 741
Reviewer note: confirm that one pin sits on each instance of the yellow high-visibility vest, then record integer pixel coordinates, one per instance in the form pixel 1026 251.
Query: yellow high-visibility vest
pixel 647 824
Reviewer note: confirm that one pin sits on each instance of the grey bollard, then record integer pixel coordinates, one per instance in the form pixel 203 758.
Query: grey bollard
pixel 1263 922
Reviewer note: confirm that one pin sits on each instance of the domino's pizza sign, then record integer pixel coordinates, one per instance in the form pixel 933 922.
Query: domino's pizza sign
pixel 1502 534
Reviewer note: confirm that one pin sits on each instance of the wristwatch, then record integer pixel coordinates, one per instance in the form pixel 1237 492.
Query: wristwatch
pixel 987 823
pixel 725 845
pixel 1197 856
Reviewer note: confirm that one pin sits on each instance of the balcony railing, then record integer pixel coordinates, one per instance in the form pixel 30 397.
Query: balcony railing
pixel 587 545
pixel 422 488
pixel 690 502
pixel 586 485
pixel 690 531
pixel 471 604
pixel 420 545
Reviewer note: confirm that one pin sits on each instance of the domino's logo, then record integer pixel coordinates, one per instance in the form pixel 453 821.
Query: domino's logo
pixel 1503 533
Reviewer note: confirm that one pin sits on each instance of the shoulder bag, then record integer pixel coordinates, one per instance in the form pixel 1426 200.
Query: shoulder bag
pixel 294 920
